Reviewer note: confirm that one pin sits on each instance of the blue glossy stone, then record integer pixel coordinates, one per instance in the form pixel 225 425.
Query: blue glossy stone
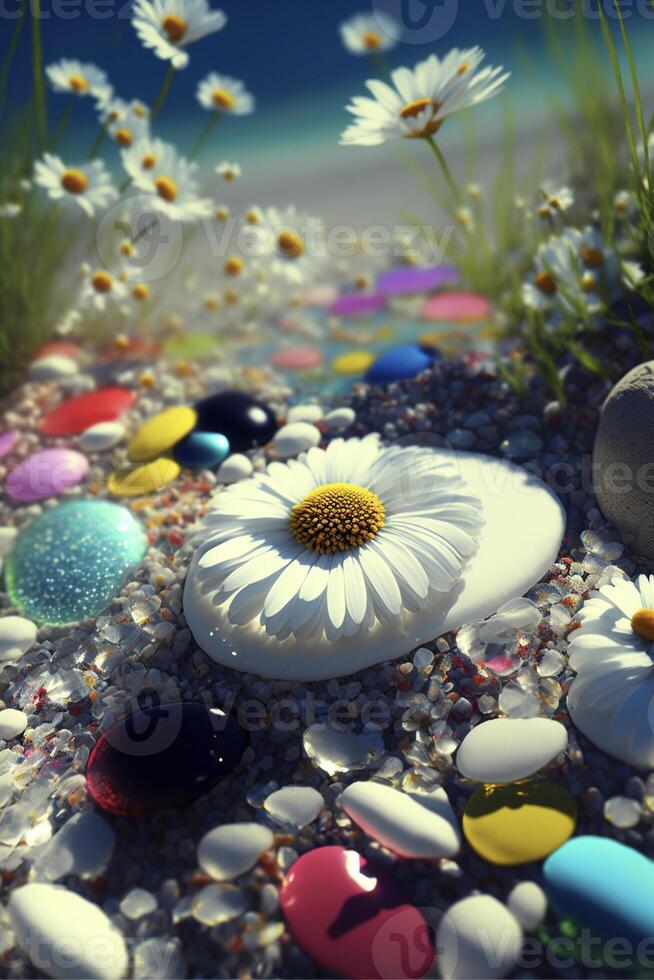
pixel 400 363
pixel 200 450
pixel 72 560
pixel 605 886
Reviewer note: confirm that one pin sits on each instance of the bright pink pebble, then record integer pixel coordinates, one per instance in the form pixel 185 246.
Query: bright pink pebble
pixel 456 307
pixel 357 304
pixel 81 412
pixel 45 474
pixel 7 442
pixel 353 918
pixel 298 358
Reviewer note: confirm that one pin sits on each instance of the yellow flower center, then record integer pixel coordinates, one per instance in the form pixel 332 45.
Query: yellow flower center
pixel 593 258
pixel 140 292
pixel 175 27
pixel 102 282
pixel 74 181
pixel 290 245
pixel 642 622
pixel 211 303
pixel 371 40
pixel 336 517
pixel 78 84
pixel 234 266
pixel 252 217
pixel 222 98
pixel 413 109
pixel 588 282
pixel 148 161
pixel 166 188
pixel 140 110
pixel 126 248
pixel 464 68
pixel 545 283
pixel 124 136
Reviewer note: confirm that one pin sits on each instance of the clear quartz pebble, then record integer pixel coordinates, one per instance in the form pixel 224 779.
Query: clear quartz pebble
pixel 341 751
pixel 622 812
pixel 158 959
pixel 519 701
pixel 600 543
pixel 219 903
pixel 551 663
pixel 138 903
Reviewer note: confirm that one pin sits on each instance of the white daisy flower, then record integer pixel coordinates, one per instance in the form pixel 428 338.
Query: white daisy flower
pixel 144 156
pixel 419 100
pixel 87 186
pixel 126 122
pixel 369 33
pixel 220 93
pixel 290 241
pixel 10 210
pixel 228 171
pixel 168 26
pixel 612 698
pixel 172 182
pixel 79 78
pixel 100 290
pixel 554 199
pixel 356 554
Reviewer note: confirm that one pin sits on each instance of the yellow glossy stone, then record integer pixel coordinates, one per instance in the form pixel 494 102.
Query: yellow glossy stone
pixel 354 362
pixel 160 433
pixel 148 478
pixel 519 823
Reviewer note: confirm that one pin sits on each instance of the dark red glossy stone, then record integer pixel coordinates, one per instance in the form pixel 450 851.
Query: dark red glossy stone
pixel 243 420
pixel 353 917
pixel 163 756
pixel 76 414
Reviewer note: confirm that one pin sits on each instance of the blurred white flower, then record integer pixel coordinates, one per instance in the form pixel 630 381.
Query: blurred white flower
pixel 78 78
pixel 221 93
pixel 554 199
pixel 126 122
pixel 172 182
pixel 168 26
pixel 10 210
pixel 87 186
pixel 419 100
pixel 291 242
pixel 100 290
pixel 143 156
pixel 369 33
pixel 228 171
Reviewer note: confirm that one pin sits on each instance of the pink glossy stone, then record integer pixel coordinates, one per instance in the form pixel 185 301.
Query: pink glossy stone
pixel 45 474
pixel 456 307
pixel 301 358
pixel 81 412
pixel 353 918
pixel 357 304
pixel 7 442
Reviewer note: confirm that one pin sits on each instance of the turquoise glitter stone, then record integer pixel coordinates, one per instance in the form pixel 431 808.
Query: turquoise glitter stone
pixel 72 560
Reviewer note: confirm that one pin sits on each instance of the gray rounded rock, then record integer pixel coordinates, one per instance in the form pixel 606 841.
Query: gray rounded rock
pixel 623 459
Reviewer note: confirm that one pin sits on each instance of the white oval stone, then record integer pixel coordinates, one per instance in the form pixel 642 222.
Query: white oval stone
pixel 12 723
pixel 102 436
pixel 232 849
pixel 339 418
pixel 83 847
pixel 478 937
pixel 517 508
pixel 294 806
pixel 65 935
pixel 505 749
pixel 53 367
pixel 528 902
pixel 236 467
pixel 421 826
pixel 295 438
pixel 17 635
pixel 304 413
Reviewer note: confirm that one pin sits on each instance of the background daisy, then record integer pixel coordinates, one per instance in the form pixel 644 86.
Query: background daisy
pixel 78 78
pixel 369 34
pixel 87 186
pixel 221 93
pixel 168 26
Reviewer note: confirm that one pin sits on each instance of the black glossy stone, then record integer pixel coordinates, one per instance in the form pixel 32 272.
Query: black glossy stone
pixel 245 421
pixel 162 756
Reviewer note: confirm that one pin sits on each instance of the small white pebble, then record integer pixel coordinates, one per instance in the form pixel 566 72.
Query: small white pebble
pixel 304 413
pixel 622 812
pixel 528 903
pixel 12 723
pixel 295 438
pixel 339 418
pixel 236 467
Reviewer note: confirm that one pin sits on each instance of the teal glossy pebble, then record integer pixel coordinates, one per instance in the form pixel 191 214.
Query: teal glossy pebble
pixel 605 886
pixel 69 562
pixel 201 450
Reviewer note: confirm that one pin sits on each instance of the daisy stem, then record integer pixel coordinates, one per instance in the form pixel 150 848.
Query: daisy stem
pixel 380 63
pixel 204 135
pixel 99 140
pixel 447 173
pixel 63 123
pixel 11 50
pixel 37 74
pixel 163 92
